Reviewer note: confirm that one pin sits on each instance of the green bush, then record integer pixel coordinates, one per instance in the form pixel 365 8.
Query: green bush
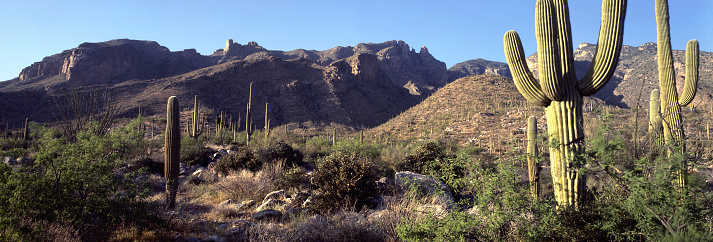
pixel 292 177
pixel 421 154
pixel 278 151
pixel 344 180
pixel 242 158
pixel 194 152
pixel 78 183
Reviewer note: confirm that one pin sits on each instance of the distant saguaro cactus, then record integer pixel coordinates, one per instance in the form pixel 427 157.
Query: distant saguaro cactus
pixel 196 130
pixel 248 116
pixel 267 123
pixel 670 102
pixel 533 166
pixel 173 150
pixel 655 126
pixel 27 129
pixel 558 89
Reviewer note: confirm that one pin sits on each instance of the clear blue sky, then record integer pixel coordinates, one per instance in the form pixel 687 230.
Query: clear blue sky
pixel 453 31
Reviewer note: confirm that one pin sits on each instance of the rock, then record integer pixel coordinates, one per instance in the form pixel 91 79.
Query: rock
pixel 245 205
pixel 299 198
pixel 228 202
pixel 223 226
pixel 8 160
pixel 267 214
pixel 216 156
pixel 437 210
pixel 180 238
pixel 425 185
pixel 277 195
pixel 385 184
pixel 115 61
pixel 271 204
pixel 215 238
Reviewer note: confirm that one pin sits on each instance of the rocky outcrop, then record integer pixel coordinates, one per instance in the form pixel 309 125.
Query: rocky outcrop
pixel 114 62
pixel 478 67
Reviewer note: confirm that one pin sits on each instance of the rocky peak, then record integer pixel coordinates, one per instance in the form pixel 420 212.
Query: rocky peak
pixel 424 50
pixel 114 61
pixel 478 67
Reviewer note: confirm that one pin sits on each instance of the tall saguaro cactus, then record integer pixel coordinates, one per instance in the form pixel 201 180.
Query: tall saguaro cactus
pixel 670 102
pixel 558 89
pixel 173 150
pixel 533 166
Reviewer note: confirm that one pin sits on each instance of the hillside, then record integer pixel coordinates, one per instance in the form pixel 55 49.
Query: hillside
pixel 472 109
pixel 356 86
pixel 637 71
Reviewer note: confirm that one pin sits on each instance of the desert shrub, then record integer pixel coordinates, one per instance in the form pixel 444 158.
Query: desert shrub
pixel 293 177
pixel 370 150
pixel 241 158
pixel 344 179
pixel 193 152
pixel 501 209
pixel 77 183
pixel 278 151
pixel 420 154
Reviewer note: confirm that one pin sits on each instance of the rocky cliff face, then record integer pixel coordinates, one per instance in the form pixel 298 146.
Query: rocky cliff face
pixel 120 60
pixel 478 67
pixel 112 62
pixel 637 72
pixel 363 85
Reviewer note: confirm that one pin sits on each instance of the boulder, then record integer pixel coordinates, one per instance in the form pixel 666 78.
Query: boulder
pixel 271 204
pixel 267 214
pixel 278 195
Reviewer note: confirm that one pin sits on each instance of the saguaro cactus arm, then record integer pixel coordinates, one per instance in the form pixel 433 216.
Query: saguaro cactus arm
pixel 691 83
pixel 524 80
pixel 611 36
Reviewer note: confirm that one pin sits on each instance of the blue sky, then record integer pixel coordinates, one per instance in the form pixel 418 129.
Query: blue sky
pixel 453 31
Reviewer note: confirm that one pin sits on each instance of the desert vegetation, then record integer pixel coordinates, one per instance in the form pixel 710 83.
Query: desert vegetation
pixel 469 163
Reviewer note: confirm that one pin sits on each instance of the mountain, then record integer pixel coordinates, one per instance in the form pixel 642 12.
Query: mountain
pixel 362 85
pixel 478 67
pixel 637 74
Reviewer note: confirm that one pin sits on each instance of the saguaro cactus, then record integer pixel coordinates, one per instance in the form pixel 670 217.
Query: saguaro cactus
pixel 267 123
pixel 173 150
pixel 670 102
pixel 248 116
pixel 533 166
pixel 27 129
pixel 655 126
pixel 196 131
pixel 558 89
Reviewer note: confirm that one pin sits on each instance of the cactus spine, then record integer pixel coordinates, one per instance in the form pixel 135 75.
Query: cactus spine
pixel 173 150
pixel 558 89
pixel 533 166
pixel 670 102
pixel 248 116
